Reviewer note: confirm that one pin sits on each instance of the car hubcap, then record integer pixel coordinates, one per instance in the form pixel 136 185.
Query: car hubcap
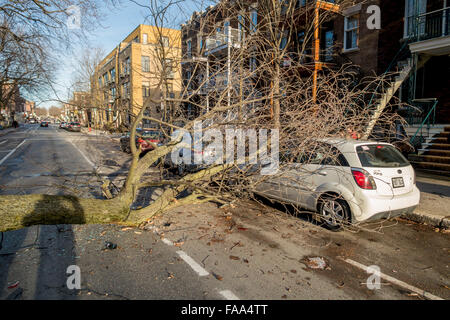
pixel 332 212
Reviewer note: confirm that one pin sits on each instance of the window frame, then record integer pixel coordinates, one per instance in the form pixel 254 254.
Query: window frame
pixel 348 30
pixel 145 63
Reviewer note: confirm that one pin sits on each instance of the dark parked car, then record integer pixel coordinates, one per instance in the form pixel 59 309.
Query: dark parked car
pixel 44 124
pixel 74 126
pixel 145 139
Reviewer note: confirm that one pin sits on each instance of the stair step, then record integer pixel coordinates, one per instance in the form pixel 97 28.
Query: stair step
pixel 438 139
pixel 431 165
pixel 447 129
pixel 439 173
pixel 437 152
pixel 429 158
pixel 438 146
pixel 444 134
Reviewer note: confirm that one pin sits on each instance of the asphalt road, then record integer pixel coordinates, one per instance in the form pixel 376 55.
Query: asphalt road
pixel 197 252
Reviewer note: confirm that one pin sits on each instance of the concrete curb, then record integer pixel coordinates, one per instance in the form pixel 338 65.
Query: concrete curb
pixel 433 220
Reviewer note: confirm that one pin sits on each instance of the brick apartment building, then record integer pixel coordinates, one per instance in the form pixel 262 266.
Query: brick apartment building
pixel 12 103
pixel 130 74
pixel 413 44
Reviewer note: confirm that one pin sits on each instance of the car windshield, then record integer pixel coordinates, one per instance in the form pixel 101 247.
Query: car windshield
pixel 380 156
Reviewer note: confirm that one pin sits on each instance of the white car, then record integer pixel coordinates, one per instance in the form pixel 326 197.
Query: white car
pixel 345 181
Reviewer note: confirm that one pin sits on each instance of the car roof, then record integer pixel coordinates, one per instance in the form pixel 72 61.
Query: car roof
pixel 348 145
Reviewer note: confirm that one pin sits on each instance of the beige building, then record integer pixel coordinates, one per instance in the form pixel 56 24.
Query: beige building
pixel 145 64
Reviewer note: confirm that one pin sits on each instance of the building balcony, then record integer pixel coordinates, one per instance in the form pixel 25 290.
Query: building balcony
pixel 429 33
pixel 229 37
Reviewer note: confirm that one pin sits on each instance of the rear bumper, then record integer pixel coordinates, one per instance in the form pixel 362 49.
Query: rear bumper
pixel 372 207
pixel 392 214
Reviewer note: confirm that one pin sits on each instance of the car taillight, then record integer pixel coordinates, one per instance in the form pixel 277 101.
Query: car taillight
pixel 363 179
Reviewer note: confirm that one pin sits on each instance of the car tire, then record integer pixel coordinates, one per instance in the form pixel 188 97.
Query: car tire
pixel 334 212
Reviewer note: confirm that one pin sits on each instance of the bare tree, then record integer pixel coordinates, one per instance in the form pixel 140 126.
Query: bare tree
pixel 261 93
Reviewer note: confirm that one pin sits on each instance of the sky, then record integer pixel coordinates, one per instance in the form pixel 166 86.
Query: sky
pixel 116 24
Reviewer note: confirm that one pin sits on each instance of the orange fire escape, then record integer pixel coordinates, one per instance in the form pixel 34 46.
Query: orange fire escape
pixel 318 65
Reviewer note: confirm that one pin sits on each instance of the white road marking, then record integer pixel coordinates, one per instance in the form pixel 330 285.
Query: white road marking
pixel 11 152
pixel 194 265
pixel 396 282
pixel 3 141
pixel 84 156
pixel 227 294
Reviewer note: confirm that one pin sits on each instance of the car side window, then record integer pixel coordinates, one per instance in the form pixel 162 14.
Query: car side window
pixel 326 155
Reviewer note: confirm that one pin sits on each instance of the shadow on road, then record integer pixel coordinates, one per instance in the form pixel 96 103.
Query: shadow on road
pixel 38 256
pixel 437 189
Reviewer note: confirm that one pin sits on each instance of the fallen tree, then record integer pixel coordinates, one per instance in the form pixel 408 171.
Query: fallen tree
pixel 250 101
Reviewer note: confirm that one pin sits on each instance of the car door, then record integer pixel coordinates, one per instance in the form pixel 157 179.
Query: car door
pixel 291 184
pixel 332 171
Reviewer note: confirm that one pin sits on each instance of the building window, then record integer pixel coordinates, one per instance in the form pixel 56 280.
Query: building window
pixel 329 42
pixel 351 32
pixel 126 89
pixel 126 66
pixel 410 12
pixel 144 38
pixel 283 42
pixel 145 90
pixel 189 48
pixel 187 80
pixel 100 81
pixel 168 68
pixel 240 26
pixel 113 74
pixel 145 64
pixel 165 41
pixel 253 20
pixel 252 64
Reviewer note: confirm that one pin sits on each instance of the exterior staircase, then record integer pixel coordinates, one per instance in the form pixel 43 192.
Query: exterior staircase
pixel 405 67
pixel 434 157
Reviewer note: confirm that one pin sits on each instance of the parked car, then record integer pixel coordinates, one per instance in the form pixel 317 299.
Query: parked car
pixel 62 125
pixel 32 121
pixel 145 140
pixel 346 181
pixel 44 124
pixel 74 126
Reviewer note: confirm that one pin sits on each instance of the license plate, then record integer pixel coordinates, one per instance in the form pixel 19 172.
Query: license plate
pixel 398 182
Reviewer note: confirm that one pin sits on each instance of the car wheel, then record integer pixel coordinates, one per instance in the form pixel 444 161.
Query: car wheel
pixel 334 212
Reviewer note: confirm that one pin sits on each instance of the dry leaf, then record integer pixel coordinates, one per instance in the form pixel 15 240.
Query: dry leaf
pixel 178 244
pixel 125 229
pixel 234 258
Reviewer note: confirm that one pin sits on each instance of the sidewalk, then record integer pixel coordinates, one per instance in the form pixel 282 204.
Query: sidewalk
pixel 97 132
pixel 6 131
pixel 434 207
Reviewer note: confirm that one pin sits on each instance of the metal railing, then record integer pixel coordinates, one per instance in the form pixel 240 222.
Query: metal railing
pixel 229 36
pixel 430 25
pixel 424 106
